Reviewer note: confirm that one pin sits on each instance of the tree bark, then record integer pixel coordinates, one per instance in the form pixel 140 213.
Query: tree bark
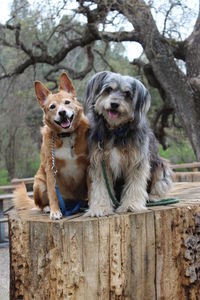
pixel 151 255
pixel 176 85
pixel 193 50
pixel 10 155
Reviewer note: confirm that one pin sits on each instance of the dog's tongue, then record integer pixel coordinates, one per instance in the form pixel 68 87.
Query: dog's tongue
pixel 65 124
pixel 113 114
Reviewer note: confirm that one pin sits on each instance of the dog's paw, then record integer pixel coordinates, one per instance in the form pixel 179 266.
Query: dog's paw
pixel 129 208
pixel 153 198
pixel 99 212
pixel 123 209
pixel 55 215
pixel 46 209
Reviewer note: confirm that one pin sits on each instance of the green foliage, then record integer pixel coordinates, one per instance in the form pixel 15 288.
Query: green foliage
pixel 156 102
pixel 29 166
pixel 4 177
pixel 180 152
pixel 33 165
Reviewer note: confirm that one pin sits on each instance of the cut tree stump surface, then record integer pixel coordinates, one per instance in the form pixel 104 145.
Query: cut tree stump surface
pixel 141 256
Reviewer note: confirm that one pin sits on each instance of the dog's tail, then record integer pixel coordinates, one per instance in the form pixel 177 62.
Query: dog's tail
pixel 21 200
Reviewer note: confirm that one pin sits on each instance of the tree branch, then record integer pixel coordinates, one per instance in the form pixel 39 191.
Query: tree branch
pixel 73 74
pixel 193 50
pixel 120 36
pixel 102 56
pixel 160 122
pixel 87 38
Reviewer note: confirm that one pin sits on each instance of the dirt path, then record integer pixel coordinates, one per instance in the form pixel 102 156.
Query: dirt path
pixel 4 273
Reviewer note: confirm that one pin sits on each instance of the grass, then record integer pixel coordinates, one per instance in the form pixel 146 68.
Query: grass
pixel 178 153
pixel 34 165
pixel 4 177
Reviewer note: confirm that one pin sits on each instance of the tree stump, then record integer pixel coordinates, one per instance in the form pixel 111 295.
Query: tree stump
pixel 140 256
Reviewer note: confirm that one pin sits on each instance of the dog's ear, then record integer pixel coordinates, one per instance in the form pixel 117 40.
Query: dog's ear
pixel 66 84
pixel 93 88
pixel 41 92
pixel 141 100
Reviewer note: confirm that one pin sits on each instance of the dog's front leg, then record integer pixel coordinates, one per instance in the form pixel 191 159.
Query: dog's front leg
pixel 55 213
pixel 99 199
pixel 134 194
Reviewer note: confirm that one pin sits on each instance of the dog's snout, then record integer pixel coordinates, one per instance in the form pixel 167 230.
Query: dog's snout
pixel 114 105
pixel 62 113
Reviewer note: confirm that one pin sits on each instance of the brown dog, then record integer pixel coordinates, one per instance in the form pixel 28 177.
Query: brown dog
pixel 63 119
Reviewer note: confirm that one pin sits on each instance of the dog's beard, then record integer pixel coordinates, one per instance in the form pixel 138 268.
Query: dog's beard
pixel 114 117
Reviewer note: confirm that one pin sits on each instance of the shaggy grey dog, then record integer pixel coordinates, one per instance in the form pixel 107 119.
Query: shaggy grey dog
pixel 116 107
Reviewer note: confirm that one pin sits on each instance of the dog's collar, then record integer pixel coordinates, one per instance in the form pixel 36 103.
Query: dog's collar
pixel 119 133
pixel 64 134
pixel 100 142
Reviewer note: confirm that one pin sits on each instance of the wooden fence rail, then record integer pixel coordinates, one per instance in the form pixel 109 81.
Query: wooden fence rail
pixel 194 166
pixel 29 180
pixel 186 176
pixel 6 195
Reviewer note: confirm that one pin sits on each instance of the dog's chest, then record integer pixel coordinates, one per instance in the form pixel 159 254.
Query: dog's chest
pixel 67 159
pixel 66 151
pixel 115 162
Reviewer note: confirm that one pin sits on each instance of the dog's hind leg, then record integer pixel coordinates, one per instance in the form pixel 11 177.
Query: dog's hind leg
pixel 40 192
pixel 161 181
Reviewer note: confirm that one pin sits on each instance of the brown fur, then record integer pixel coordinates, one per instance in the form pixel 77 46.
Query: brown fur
pixel 25 201
pixel 71 175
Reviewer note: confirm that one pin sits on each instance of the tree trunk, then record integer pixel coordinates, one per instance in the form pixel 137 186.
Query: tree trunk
pixel 150 255
pixel 178 87
pixel 10 155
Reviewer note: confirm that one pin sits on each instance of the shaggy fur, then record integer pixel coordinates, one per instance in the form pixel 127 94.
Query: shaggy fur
pixel 63 117
pixel 116 107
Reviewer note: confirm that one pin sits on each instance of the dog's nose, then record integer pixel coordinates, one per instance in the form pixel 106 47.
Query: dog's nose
pixel 114 105
pixel 62 113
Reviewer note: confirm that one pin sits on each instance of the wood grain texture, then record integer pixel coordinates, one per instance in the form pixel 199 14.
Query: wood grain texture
pixel 143 256
pixel 186 176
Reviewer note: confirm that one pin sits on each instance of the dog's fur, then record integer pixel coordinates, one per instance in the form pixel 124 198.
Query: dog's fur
pixel 62 114
pixel 116 107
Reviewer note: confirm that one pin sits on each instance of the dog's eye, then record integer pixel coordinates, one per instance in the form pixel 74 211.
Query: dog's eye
pixel 127 94
pixel 67 102
pixel 52 106
pixel 108 90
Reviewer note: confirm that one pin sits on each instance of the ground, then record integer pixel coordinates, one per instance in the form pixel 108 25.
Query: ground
pixel 4 273
pixel 5 264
